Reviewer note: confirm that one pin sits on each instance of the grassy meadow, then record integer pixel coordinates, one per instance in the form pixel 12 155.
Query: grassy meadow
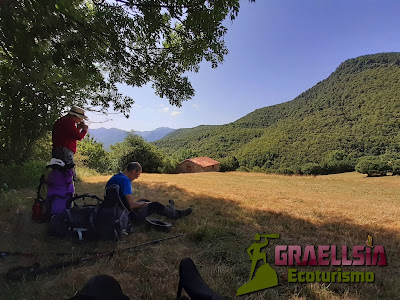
pixel 228 210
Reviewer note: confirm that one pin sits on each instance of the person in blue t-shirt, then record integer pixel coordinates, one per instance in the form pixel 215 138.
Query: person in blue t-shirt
pixel 142 208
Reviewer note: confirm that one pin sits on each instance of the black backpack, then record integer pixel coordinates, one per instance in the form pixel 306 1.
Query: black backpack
pixel 112 217
pixel 104 220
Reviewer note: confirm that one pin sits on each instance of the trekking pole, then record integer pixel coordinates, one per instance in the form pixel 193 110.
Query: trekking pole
pixel 20 272
pixel 33 254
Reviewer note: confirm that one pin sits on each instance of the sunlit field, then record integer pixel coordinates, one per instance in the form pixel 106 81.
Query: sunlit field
pixel 228 210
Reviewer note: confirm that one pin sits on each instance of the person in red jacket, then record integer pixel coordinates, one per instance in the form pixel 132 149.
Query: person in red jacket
pixel 67 131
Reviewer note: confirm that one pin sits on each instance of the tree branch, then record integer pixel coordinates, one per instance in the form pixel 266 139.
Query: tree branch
pixel 119 42
pixel 6 51
pixel 130 4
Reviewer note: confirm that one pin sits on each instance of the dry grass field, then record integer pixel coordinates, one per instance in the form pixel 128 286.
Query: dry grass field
pixel 228 210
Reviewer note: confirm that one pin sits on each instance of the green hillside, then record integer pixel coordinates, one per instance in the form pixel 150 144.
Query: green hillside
pixel 355 110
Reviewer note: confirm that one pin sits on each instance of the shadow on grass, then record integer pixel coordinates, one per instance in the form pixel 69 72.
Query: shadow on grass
pixel 217 235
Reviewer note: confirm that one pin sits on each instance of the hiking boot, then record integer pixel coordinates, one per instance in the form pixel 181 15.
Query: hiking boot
pixel 184 212
pixel 171 203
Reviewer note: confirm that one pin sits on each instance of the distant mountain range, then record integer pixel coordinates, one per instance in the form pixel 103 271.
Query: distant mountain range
pixel 113 135
pixel 355 111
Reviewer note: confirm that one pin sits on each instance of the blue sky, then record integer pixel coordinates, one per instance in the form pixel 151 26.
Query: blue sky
pixel 277 50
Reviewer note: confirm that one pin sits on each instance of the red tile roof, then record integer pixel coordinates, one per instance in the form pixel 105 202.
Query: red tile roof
pixel 203 161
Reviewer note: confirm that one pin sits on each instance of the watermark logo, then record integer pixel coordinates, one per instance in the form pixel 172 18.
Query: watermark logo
pixel 319 255
pixel 369 241
pixel 265 276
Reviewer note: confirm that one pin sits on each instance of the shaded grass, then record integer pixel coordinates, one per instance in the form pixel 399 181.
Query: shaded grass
pixel 20 176
pixel 229 209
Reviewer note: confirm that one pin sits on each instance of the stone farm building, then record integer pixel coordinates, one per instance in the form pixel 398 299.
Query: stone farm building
pixel 199 164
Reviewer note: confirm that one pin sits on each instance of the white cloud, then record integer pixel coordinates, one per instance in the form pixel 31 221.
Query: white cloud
pixel 196 106
pixel 175 113
pixel 164 109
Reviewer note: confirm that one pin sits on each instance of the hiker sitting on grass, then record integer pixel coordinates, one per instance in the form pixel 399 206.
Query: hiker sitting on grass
pixel 142 208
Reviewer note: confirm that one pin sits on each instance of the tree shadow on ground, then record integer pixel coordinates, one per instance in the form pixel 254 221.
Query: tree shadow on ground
pixel 217 235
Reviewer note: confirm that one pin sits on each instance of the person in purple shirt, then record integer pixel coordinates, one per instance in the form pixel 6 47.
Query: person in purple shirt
pixel 142 208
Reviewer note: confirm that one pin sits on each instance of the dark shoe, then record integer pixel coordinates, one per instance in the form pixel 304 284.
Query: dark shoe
pixel 184 212
pixel 171 203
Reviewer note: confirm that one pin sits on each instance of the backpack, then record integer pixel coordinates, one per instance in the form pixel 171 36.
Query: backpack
pixel 55 188
pixel 104 220
pixel 112 217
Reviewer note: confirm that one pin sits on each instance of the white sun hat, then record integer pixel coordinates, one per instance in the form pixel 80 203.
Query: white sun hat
pixel 78 112
pixel 56 161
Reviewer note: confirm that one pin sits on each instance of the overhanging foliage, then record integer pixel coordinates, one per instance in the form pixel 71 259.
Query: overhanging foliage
pixel 57 53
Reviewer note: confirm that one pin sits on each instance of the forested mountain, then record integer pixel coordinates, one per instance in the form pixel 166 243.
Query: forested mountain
pixel 156 134
pixel 356 110
pixel 112 136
